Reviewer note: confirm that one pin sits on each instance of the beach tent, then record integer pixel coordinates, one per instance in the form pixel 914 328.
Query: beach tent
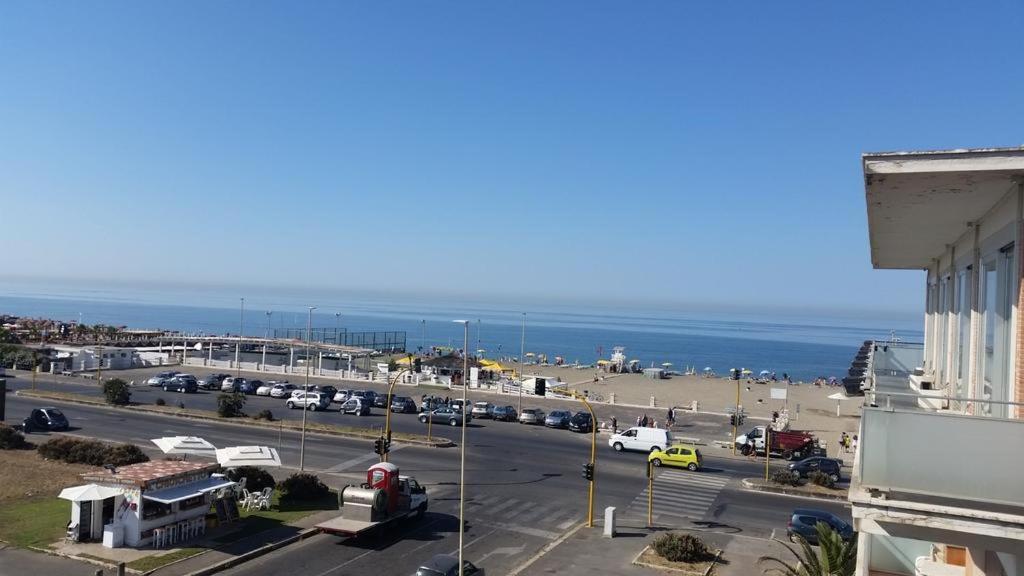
pixel 185 445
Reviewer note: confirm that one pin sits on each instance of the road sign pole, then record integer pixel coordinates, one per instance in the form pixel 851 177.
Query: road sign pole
pixel 767 450
pixel 650 494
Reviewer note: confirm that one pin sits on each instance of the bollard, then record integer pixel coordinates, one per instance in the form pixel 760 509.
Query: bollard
pixel 99 572
pixel 120 569
pixel 611 398
pixel 654 402
pixel 609 522
pixel 694 406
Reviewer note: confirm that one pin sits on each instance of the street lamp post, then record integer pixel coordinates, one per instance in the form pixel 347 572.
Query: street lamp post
pixel 387 410
pixel 238 345
pixel 522 363
pixel 337 327
pixel 302 438
pixel 462 444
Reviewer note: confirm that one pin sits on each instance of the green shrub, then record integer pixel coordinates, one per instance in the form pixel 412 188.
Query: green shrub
pixel 160 402
pixel 11 439
pixel 303 486
pixel 676 547
pixel 256 479
pixel 265 415
pixel 230 405
pixel 785 477
pixel 125 454
pixel 821 479
pixel 117 392
pixel 77 451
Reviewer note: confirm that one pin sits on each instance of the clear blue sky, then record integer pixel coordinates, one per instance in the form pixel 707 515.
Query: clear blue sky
pixel 648 151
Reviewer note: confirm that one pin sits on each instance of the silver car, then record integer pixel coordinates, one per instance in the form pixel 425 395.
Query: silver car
pixel 445 414
pixel 482 410
pixel 531 416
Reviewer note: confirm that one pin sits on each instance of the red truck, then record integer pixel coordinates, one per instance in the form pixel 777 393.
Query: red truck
pixel 791 445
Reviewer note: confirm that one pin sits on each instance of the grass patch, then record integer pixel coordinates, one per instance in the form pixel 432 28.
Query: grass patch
pixel 153 562
pixel 36 522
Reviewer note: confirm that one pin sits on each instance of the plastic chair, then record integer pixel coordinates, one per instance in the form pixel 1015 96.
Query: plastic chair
pixel 159 537
pixel 264 498
pixel 172 534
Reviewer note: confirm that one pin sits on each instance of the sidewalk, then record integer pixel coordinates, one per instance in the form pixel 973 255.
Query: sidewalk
pixel 248 545
pixel 586 552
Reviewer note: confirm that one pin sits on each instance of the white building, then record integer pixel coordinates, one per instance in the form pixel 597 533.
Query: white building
pixel 88 358
pixel 938 482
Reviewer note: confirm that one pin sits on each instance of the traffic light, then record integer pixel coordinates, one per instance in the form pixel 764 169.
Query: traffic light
pixel 732 419
pixel 588 471
pixel 378 446
pixel 417 365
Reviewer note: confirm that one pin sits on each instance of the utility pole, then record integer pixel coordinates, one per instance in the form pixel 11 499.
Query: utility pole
pixel 522 364
pixel 305 391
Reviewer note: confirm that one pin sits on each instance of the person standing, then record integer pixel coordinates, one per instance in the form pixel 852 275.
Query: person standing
pixel 643 421
pixel 639 420
pixel 615 425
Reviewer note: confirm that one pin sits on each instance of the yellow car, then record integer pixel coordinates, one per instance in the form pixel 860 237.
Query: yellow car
pixel 681 455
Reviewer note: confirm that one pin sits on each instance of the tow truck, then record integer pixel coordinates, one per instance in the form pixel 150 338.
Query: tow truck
pixel 382 501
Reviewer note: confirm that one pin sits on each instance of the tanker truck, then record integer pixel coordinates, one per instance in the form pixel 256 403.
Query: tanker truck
pixel 384 499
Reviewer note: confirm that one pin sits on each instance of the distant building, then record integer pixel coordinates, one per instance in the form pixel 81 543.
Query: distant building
pixel 938 484
pixel 76 358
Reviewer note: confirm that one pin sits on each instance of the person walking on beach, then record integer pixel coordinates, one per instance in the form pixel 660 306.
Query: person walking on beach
pixel 842 441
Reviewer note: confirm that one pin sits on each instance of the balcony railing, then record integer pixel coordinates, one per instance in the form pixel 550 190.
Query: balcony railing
pixel 941 455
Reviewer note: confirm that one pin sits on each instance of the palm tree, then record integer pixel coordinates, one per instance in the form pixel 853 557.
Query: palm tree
pixel 834 557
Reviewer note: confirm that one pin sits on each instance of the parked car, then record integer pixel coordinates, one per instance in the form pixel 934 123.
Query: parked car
pixel 159 378
pixel 804 521
pixel 310 400
pixel 231 384
pixel 403 405
pixel 581 422
pixel 446 414
pixel 505 413
pixel 641 438
pixel 212 381
pixel 680 456
pixel 250 386
pixel 380 400
pixel 329 390
pixel 45 419
pixel 456 404
pixel 281 389
pixel 357 406
pixel 182 383
pixel 264 389
pixel 482 410
pixel 446 565
pixel 558 419
pixel 342 395
pixel 807 466
pixel 531 416
pixel 431 403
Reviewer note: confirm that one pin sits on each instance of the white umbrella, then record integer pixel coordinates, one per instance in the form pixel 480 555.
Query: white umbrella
pixel 838 397
pixel 666 364
pixel 707 368
pixel 185 445
pixel 88 492
pixel 235 456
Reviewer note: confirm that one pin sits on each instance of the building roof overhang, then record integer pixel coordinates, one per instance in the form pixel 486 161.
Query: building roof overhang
pixel 921 202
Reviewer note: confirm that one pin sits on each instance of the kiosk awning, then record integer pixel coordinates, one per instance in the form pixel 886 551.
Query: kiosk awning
pixel 179 493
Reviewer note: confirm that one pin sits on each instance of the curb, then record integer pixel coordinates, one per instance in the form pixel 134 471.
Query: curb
pixel 438 443
pixel 86 559
pixel 751 484
pixel 265 549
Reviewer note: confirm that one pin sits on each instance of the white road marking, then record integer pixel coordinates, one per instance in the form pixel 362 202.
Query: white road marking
pixel 565 525
pixel 507 551
pixel 358 460
pixel 547 535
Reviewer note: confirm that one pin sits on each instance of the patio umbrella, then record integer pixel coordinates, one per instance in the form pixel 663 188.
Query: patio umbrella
pixel 185 445
pixel 838 397
pixel 88 492
pixel 235 456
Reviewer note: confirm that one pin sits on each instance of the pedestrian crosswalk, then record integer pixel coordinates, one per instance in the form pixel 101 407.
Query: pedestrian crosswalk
pixel 523 516
pixel 677 494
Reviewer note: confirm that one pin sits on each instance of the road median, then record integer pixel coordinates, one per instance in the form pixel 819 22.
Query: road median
pixel 209 415
pixel 806 490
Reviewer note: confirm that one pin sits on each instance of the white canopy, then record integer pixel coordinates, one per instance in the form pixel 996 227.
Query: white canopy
pixel 191 490
pixel 88 492
pixel 838 396
pixel 235 456
pixel 185 445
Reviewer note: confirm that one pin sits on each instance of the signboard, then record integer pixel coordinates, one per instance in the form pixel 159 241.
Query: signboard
pixel 779 393
pixel 474 376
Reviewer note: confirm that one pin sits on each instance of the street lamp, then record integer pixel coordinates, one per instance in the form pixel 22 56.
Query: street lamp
pixel 462 463
pixel 238 345
pixel 302 440
pixel 267 335
pixel 522 363
pixel 337 327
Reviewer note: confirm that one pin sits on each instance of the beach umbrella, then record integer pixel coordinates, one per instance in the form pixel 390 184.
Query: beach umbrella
pixel 235 456
pixel 530 354
pixel 838 397
pixel 765 373
pixel 185 445
pixel 707 368
pixel 666 364
pixel 745 371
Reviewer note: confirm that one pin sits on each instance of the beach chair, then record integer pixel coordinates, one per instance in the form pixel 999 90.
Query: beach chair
pixel 263 499
pixel 248 499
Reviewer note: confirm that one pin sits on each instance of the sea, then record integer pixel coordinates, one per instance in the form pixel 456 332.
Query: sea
pixel 802 343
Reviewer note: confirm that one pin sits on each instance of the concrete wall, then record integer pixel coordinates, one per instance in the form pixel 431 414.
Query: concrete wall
pixel 896 555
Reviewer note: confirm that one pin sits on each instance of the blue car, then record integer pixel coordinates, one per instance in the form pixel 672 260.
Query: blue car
pixel 250 386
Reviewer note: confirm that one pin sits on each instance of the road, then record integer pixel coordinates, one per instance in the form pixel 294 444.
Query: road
pixel 523 487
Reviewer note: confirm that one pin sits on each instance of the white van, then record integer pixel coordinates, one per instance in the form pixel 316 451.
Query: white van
pixel 643 439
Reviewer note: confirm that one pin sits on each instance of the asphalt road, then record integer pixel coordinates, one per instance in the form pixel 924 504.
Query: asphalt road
pixel 523 487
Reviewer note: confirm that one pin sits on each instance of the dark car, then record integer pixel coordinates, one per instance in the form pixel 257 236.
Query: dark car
pixel 182 383
pixel 808 466
pixel 403 405
pixel 446 565
pixel 44 419
pixel 211 381
pixel 250 386
pixel 581 422
pixel 505 413
pixel 329 390
pixel 380 400
pixel 804 522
